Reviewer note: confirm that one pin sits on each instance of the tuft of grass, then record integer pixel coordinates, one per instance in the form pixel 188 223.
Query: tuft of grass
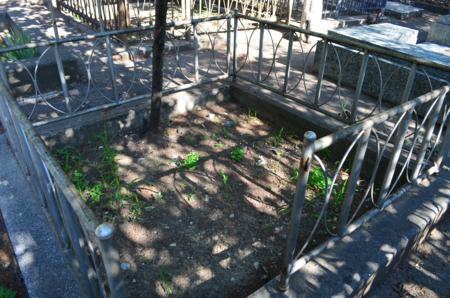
pixel 18 39
pixel 191 161
pixel 107 186
pixel 225 177
pixel 283 211
pixel 7 293
pixel 166 281
pixel 316 180
pixel 278 138
pixel 294 175
pixel 237 154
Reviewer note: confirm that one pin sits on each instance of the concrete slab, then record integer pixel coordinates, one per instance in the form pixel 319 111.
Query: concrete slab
pixel 402 11
pixel 45 270
pixel 440 31
pixel 383 34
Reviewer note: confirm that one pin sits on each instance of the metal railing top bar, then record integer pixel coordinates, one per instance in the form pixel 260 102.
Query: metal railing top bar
pixel 353 43
pixel 85 37
pixel 354 129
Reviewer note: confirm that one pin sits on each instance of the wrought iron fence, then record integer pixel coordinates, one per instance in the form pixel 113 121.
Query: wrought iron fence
pixel 321 73
pixel 336 8
pixel 120 14
pixel 210 55
pixel 88 245
pixel 413 146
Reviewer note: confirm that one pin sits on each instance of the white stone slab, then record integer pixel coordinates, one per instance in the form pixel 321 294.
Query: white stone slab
pixel 384 34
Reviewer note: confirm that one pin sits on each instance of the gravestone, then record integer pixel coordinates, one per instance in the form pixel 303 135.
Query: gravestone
pixel 440 31
pixel 402 11
pixel 385 76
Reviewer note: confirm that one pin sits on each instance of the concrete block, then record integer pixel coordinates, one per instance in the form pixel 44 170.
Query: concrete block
pixel 440 31
pixel 402 11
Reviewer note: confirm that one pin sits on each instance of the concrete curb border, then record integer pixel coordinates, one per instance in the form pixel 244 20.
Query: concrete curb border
pixel 352 265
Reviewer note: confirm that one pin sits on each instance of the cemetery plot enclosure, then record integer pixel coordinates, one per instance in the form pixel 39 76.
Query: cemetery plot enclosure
pixel 219 190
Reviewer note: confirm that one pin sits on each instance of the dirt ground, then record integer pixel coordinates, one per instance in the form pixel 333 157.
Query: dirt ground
pixel 219 228
pixel 10 276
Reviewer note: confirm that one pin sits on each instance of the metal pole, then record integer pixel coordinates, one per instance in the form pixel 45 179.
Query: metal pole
pixel 445 145
pixel 109 51
pixel 296 215
pixel 428 134
pixel 196 46
pixel 59 63
pixel 228 44
pixel 235 44
pixel 396 151
pixel 289 61
pixel 353 180
pixel 261 52
pixel 323 59
pixel 359 85
pixel 111 259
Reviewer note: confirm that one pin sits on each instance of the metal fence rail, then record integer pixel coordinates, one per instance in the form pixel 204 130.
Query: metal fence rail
pixel 88 245
pixel 410 154
pixel 276 71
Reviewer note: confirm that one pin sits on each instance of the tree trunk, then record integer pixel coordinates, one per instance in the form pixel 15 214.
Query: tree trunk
pixel 158 63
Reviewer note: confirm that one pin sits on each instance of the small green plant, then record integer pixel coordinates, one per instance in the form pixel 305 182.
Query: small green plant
pixel 294 175
pixel 316 180
pixel 159 197
pixel 191 161
pixel 225 177
pixel 7 293
pixel 339 194
pixel 166 281
pixel 237 154
pixel 283 211
pixel 251 115
pixel 18 39
pixel 95 193
pixel 278 138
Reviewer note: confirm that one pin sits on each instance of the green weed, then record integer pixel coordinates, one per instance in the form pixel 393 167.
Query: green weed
pixel 237 154
pixel 7 293
pixel 294 175
pixel 191 161
pixel 283 211
pixel 277 138
pixel 316 180
pixel 166 282
pixel 18 39
pixel 225 177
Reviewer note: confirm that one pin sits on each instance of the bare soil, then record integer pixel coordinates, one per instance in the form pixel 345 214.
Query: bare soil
pixel 10 276
pixel 219 229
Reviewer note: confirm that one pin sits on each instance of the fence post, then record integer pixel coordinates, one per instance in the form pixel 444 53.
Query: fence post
pixel 111 259
pixel 109 50
pixel 359 85
pixel 400 135
pixel 260 51
pixel 288 63
pixel 235 44
pixel 228 43
pixel 123 15
pixel 353 180
pixel 59 63
pixel 196 46
pixel 428 134
pixel 323 60
pixel 296 213
pixel 445 145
